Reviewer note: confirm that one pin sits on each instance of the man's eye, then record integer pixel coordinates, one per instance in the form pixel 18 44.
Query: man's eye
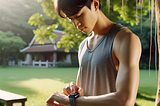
pixel 77 16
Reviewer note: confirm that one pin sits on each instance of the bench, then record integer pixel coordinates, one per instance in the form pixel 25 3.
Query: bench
pixel 9 98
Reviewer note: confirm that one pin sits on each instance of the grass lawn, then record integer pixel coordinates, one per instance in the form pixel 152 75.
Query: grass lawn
pixel 37 84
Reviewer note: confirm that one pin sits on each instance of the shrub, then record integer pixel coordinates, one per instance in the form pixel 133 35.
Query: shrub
pixel 1 104
pixel 63 64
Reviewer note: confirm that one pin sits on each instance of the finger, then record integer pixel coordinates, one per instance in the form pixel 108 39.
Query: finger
pixel 56 104
pixel 80 91
pixel 74 87
pixel 66 91
pixel 49 101
pixel 49 104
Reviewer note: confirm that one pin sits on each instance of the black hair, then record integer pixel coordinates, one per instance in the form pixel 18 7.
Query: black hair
pixel 67 8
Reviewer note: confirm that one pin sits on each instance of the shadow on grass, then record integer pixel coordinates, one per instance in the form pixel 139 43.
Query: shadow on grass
pixel 17 89
pixel 139 95
pixel 145 97
pixel 65 75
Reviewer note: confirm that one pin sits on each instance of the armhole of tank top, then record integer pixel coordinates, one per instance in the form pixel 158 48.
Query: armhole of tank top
pixel 111 59
pixel 82 45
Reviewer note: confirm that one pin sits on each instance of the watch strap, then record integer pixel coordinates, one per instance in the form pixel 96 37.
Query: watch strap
pixel 72 102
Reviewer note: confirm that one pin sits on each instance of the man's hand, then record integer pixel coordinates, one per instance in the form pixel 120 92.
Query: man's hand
pixel 62 99
pixel 72 88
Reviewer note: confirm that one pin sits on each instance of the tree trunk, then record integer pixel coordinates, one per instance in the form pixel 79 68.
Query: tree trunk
pixel 157 7
pixel 4 61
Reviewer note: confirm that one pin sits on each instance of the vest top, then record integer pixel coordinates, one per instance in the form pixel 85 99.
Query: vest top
pixel 97 73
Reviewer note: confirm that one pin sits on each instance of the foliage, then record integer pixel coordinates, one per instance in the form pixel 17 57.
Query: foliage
pixel 1 104
pixel 9 43
pixel 14 15
pixel 145 40
pixel 72 35
pixel 63 64
pixel 126 13
pixel 0 60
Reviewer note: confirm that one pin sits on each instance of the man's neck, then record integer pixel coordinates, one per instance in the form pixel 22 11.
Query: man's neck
pixel 103 24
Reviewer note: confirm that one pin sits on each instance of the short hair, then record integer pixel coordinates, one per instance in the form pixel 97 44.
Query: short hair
pixel 67 8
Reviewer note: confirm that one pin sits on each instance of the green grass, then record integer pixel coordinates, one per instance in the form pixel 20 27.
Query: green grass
pixel 37 84
pixel 147 88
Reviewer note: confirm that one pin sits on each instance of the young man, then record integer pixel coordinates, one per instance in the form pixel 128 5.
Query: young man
pixel 108 59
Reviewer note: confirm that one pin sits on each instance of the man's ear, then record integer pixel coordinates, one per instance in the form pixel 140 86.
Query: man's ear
pixel 96 4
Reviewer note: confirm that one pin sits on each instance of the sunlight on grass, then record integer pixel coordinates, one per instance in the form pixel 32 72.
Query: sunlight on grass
pixel 43 87
pixel 37 84
pixel 142 102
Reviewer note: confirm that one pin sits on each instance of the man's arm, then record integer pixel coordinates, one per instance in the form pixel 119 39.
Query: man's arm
pixel 127 49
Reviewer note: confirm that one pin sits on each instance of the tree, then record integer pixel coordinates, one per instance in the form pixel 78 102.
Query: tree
pixel 72 35
pixel 14 15
pixel 9 43
pixel 157 8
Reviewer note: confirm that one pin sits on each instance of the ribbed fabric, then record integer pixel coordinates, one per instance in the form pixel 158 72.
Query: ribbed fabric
pixel 97 73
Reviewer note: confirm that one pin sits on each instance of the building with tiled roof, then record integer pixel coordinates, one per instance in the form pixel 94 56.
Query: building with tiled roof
pixel 48 52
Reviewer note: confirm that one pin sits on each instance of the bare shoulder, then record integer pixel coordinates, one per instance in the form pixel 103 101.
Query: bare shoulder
pixel 126 43
pixel 126 36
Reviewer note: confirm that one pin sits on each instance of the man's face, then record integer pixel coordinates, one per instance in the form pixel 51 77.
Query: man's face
pixel 85 19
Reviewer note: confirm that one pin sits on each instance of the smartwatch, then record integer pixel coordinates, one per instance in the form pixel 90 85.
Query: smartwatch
pixel 72 98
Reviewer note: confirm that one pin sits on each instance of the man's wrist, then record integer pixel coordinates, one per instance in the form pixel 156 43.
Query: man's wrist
pixel 72 98
pixel 72 102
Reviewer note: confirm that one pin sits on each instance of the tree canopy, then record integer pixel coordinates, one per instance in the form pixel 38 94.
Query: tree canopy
pixel 72 35
pixel 9 43
pixel 14 15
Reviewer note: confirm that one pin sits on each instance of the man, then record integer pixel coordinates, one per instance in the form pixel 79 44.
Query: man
pixel 108 59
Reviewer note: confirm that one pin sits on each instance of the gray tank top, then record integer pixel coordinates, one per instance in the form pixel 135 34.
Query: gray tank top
pixel 97 73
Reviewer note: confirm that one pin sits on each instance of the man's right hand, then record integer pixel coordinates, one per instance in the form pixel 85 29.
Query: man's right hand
pixel 72 88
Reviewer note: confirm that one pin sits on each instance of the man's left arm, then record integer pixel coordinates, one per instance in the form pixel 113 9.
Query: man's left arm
pixel 128 54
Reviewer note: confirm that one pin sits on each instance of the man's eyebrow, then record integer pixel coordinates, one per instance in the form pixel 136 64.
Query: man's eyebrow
pixel 70 17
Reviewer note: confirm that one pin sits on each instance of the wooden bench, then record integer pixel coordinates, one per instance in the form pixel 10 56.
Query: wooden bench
pixel 9 98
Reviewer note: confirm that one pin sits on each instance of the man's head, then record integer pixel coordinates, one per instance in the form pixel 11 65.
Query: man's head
pixel 83 13
pixel 67 8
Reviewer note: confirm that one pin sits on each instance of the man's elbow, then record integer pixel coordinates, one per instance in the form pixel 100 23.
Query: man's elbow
pixel 126 100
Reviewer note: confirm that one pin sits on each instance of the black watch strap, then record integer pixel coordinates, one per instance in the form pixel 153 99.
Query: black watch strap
pixel 72 102
pixel 72 98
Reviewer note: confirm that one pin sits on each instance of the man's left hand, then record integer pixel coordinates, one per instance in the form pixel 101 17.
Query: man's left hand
pixel 62 99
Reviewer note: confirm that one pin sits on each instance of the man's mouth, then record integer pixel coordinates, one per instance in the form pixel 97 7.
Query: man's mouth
pixel 82 29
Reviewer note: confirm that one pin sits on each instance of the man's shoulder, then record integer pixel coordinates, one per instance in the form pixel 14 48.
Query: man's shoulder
pixel 126 34
pixel 82 43
pixel 124 39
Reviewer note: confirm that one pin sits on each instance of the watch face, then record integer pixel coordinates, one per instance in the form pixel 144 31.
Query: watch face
pixel 74 95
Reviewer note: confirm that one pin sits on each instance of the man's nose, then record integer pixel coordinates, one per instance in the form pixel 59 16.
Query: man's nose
pixel 76 23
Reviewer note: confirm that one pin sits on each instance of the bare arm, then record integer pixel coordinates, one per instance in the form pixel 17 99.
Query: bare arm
pixel 127 49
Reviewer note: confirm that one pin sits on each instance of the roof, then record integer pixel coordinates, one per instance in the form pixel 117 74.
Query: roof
pixel 49 45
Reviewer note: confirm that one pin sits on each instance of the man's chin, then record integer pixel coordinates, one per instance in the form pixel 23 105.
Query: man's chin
pixel 86 32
